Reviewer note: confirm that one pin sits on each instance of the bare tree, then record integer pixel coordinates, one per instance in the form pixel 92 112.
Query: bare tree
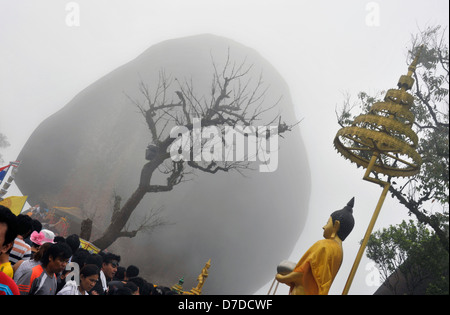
pixel 234 100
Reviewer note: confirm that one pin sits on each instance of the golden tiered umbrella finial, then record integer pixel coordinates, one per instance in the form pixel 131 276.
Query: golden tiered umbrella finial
pixel 385 133
pixel 383 142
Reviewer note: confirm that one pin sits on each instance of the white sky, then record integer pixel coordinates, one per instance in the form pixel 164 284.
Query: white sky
pixel 321 48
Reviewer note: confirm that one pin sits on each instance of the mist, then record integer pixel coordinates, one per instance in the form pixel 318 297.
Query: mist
pixel 94 148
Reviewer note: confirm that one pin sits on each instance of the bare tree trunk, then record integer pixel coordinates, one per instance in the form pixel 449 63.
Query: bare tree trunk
pixel 220 109
pixel 120 217
pixel 86 229
pixel 114 230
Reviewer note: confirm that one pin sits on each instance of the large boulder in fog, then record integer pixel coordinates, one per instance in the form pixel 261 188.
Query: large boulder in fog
pixel 95 147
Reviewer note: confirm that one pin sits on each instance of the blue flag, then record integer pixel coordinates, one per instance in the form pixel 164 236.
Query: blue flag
pixel 3 171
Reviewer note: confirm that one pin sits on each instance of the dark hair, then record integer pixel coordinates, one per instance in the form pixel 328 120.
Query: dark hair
pixel 89 270
pixel 73 241
pixel 9 218
pixel 120 273
pixel 109 257
pixel 57 250
pixel 140 282
pixel 146 288
pixel 132 286
pixel 40 253
pixel 345 218
pixel 162 290
pixel 95 259
pixel 121 291
pixel 36 225
pixel 25 225
pixel 80 256
pixel 132 271
pixel 59 239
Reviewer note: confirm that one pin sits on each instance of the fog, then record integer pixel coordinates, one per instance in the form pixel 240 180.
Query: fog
pixel 320 49
pixel 100 138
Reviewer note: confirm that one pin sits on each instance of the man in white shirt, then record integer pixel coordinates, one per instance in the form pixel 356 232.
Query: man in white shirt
pixel 107 272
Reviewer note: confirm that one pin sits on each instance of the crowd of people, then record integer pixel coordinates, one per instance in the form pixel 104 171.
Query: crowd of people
pixel 35 261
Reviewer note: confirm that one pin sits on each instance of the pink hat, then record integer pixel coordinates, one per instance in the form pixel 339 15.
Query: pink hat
pixel 44 236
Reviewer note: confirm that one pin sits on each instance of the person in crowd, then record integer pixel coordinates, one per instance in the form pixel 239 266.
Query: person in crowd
pixel 89 276
pixel 120 274
pixel 5 264
pixel 100 274
pixel 108 269
pixel 114 285
pixel 80 257
pixel 8 233
pixel 73 241
pixel 76 262
pixel 131 272
pixel 59 239
pixel 7 285
pixel 97 260
pixel 37 239
pixel 42 279
pixel 145 288
pixel 36 227
pixel 122 291
pixel 21 250
pixel 25 266
pixel 133 287
pixel 119 279
pixel 162 290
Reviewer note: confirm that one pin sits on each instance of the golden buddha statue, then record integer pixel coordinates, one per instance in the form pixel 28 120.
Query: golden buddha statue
pixel 316 270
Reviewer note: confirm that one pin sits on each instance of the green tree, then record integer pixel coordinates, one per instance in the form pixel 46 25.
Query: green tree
pixel 409 256
pixel 424 195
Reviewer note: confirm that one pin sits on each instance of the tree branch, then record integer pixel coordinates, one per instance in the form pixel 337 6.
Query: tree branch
pixel 413 206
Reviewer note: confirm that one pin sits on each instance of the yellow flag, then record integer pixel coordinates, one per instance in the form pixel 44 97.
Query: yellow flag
pixel 14 203
pixel 89 246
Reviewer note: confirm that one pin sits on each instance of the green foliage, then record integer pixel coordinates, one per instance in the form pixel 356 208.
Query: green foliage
pixel 413 250
pixel 432 112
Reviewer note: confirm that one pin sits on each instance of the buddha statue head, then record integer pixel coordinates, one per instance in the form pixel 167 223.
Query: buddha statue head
pixel 341 222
